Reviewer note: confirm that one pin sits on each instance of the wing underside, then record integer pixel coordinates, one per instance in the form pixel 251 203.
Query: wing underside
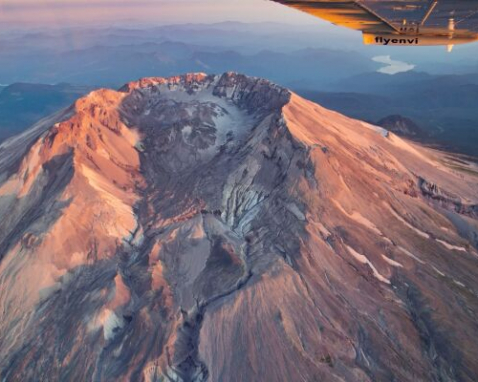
pixel 395 16
pixel 350 14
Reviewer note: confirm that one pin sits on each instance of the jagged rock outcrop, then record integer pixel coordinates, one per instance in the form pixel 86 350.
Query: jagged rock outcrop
pixel 221 228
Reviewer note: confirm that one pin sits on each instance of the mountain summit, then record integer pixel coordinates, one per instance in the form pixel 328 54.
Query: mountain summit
pixel 221 228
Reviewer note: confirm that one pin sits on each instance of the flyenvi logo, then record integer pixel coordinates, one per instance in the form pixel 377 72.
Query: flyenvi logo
pixel 401 41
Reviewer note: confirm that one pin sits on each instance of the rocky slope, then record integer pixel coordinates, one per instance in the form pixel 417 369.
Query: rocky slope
pixel 221 228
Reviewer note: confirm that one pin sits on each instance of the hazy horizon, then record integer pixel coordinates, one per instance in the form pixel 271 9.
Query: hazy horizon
pixel 32 13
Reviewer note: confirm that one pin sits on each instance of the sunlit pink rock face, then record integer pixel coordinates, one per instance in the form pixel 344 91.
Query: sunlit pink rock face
pixel 221 228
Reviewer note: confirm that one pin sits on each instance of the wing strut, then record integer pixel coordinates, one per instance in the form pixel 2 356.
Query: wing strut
pixel 431 8
pixel 372 12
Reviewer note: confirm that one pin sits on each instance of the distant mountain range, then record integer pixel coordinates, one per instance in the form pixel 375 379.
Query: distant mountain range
pixel 113 65
pixel 80 55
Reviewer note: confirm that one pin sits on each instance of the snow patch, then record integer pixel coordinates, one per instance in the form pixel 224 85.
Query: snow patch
pixel 294 210
pixel 359 219
pixel 450 246
pixel 383 132
pixel 364 260
pixel 393 263
pixel 108 321
pixel 111 324
pixel 442 274
pixel 409 254
pixel 438 271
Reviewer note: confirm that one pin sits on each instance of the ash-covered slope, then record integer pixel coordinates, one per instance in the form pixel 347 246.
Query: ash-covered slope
pixel 221 228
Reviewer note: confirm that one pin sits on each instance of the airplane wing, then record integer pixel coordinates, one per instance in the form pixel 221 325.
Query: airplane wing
pixel 351 14
pixel 399 22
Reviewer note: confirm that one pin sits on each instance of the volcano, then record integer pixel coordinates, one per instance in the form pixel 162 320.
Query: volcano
pixel 221 228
